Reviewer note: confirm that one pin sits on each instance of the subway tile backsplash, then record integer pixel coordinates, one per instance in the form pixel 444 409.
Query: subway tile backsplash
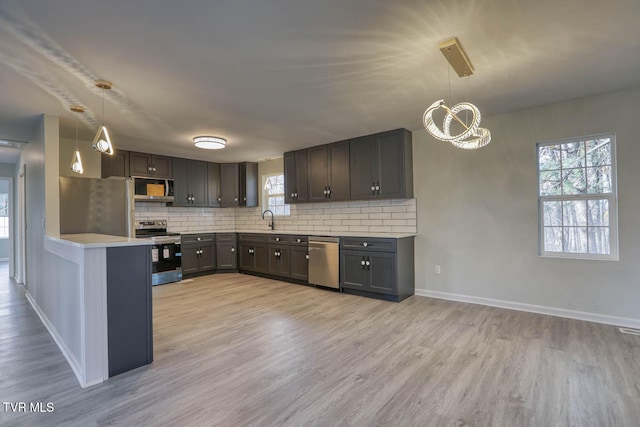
pixel 376 216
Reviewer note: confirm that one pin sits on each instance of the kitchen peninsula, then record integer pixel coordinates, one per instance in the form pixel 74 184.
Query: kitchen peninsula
pixel 105 285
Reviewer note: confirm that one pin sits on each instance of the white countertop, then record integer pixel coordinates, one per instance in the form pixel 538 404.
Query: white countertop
pixel 93 240
pixel 314 233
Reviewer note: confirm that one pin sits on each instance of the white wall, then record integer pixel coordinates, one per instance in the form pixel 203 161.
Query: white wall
pixel 477 212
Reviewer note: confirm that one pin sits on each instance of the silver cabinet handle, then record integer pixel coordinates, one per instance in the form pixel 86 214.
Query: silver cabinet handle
pixel 362 262
pixel 219 199
pixel 377 188
pixel 198 239
pixel 298 240
pixel 277 239
pixel 233 249
pixel 367 263
pixel 235 199
pixel 373 188
pixel 293 195
pixel 365 244
pixel 307 256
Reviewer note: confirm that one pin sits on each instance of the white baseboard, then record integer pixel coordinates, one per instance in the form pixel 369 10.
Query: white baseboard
pixel 75 366
pixel 551 311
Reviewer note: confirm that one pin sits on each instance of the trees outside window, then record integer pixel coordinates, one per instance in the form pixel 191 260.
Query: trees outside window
pixel 577 198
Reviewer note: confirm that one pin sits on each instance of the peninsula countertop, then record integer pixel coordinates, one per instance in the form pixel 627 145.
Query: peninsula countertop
pixel 94 240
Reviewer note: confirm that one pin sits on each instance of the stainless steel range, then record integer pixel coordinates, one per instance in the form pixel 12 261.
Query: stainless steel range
pixel 166 256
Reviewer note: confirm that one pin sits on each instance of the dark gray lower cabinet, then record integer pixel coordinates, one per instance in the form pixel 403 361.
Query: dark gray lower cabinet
pixel 379 268
pixel 226 252
pixel 254 253
pixel 279 260
pixel 198 253
pixel 300 262
pixel 129 315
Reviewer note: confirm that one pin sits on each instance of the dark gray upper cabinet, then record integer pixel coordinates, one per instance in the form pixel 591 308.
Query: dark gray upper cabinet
pixel 116 164
pixel 145 164
pixel 381 166
pixel 239 184
pixel 213 184
pixel 328 172
pixel 295 177
pixel 189 182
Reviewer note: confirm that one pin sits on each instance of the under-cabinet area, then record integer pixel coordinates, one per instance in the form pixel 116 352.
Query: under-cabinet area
pixel 368 266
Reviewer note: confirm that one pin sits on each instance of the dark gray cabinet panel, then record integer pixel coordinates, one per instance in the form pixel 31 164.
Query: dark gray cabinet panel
pixel 190 183
pixel 380 268
pixel 363 167
pixel 229 184
pixel 129 309
pixel 300 262
pixel 328 172
pixel 213 185
pixel 226 251
pixel 239 184
pixel 198 253
pixel 115 165
pixel 279 260
pixel 145 164
pixel 295 177
pixel 381 166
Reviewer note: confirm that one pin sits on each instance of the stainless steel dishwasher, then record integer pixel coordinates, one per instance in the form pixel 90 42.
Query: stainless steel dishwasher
pixel 324 261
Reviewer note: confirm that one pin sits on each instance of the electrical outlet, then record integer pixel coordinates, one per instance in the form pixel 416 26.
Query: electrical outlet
pixel 437 269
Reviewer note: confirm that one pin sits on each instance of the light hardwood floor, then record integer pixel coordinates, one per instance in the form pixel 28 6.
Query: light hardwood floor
pixel 234 350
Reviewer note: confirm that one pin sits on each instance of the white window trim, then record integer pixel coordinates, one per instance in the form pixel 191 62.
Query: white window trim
pixel 265 195
pixel 612 198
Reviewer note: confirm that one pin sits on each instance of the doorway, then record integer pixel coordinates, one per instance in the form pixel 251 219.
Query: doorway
pixel 6 224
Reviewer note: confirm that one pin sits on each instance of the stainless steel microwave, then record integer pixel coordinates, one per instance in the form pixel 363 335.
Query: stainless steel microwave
pixel 152 189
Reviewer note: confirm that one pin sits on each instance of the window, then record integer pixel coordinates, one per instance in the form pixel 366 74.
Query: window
pixel 577 198
pixel 273 195
pixel 4 215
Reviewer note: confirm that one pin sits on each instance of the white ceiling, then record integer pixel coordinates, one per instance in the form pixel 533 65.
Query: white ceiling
pixel 277 75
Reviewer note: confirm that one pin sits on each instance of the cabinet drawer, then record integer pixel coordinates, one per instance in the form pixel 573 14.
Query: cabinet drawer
pixel 197 238
pixel 299 240
pixel 251 237
pixel 225 237
pixel 375 244
pixel 278 239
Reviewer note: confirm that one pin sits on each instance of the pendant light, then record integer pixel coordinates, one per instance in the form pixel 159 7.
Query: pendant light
pixel 472 136
pixel 102 142
pixel 76 160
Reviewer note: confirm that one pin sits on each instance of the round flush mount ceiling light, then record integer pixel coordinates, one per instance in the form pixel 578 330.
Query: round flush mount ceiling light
pixel 210 142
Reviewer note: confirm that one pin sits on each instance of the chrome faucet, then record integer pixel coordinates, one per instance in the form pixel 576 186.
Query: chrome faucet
pixel 271 224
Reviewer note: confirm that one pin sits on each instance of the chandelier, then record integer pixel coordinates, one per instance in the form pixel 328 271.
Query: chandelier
pixel 472 135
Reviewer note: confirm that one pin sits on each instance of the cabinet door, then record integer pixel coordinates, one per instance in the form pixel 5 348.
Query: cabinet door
pixel 279 261
pixel 139 164
pixel 352 271
pixel 115 165
pixel 162 166
pixel 382 271
pixel 197 182
pixel 302 188
pixel 181 191
pixel 226 258
pixel 246 257
pixel 261 255
pixel 390 167
pixel 299 263
pixel 213 185
pixel 229 184
pixel 317 173
pixel 249 184
pixel 362 167
pixel 338 172
pixel 290 177
pixel 207 259
pixel 189 259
